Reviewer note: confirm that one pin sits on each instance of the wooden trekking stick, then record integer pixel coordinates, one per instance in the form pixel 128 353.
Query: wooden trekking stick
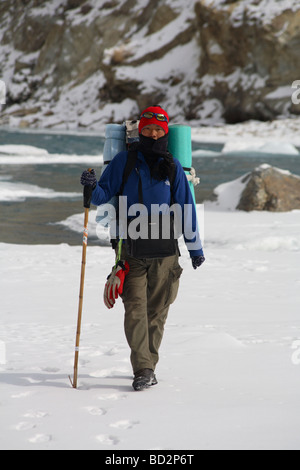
pixel 87 196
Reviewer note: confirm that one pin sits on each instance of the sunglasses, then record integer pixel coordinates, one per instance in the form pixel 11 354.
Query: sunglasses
pixel 150 115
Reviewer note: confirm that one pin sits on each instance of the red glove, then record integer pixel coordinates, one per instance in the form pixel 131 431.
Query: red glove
pixel 115 283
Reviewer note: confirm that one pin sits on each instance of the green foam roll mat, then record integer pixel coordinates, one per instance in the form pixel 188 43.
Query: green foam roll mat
pixel 180 146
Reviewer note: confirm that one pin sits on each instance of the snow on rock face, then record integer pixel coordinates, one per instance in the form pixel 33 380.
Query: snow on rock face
pixel 229 194
pixel 74 63
pixel 264 189
pixel 271 189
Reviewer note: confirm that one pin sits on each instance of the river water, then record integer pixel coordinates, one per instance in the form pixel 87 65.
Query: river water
pixel 40 173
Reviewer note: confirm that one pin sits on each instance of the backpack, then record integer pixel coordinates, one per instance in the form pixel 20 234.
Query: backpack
pixel 156 245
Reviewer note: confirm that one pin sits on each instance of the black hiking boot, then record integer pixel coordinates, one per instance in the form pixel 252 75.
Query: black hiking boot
pixel 143 379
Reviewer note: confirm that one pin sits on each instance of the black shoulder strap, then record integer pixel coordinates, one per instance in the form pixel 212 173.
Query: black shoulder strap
pixel 130 164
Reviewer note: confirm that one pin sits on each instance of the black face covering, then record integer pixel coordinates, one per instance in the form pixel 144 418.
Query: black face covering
pixel 153 150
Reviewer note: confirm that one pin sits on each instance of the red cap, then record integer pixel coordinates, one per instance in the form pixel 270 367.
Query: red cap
pixel 145 121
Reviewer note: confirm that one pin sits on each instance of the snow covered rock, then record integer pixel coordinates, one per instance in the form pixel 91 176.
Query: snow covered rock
pixel 271 189
pixel 264 189
pixel 228 194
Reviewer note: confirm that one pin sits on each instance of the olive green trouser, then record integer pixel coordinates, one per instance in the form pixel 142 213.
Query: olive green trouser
pixel 150 287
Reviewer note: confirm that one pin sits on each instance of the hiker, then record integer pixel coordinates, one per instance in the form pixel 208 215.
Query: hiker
pixel 147 279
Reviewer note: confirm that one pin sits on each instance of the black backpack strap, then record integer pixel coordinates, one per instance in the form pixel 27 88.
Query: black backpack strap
pixel 129 167
pixel 130 164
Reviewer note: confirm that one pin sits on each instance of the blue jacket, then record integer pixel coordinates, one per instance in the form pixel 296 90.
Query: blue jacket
pixel 154 192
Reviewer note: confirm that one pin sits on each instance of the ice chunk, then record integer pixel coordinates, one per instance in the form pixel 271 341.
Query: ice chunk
pixel 22 150
pixel 261 146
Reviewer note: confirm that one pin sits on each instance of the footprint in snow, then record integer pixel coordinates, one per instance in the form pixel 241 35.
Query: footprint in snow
pixel 124 424
pixel 108 373
pixel 36 414
pixel 113 396
pixel 95 411
pixel 21 395
pixel 40 439
pixel 24 426
pixel 108 440
pixel 112 352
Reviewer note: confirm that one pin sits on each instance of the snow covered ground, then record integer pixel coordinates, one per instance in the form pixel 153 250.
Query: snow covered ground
pixel 229 375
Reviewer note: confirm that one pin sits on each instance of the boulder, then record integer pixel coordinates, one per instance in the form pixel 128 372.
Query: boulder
pixel 270 189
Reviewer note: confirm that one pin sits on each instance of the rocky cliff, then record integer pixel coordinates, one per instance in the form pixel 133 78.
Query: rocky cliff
pixel 77 63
